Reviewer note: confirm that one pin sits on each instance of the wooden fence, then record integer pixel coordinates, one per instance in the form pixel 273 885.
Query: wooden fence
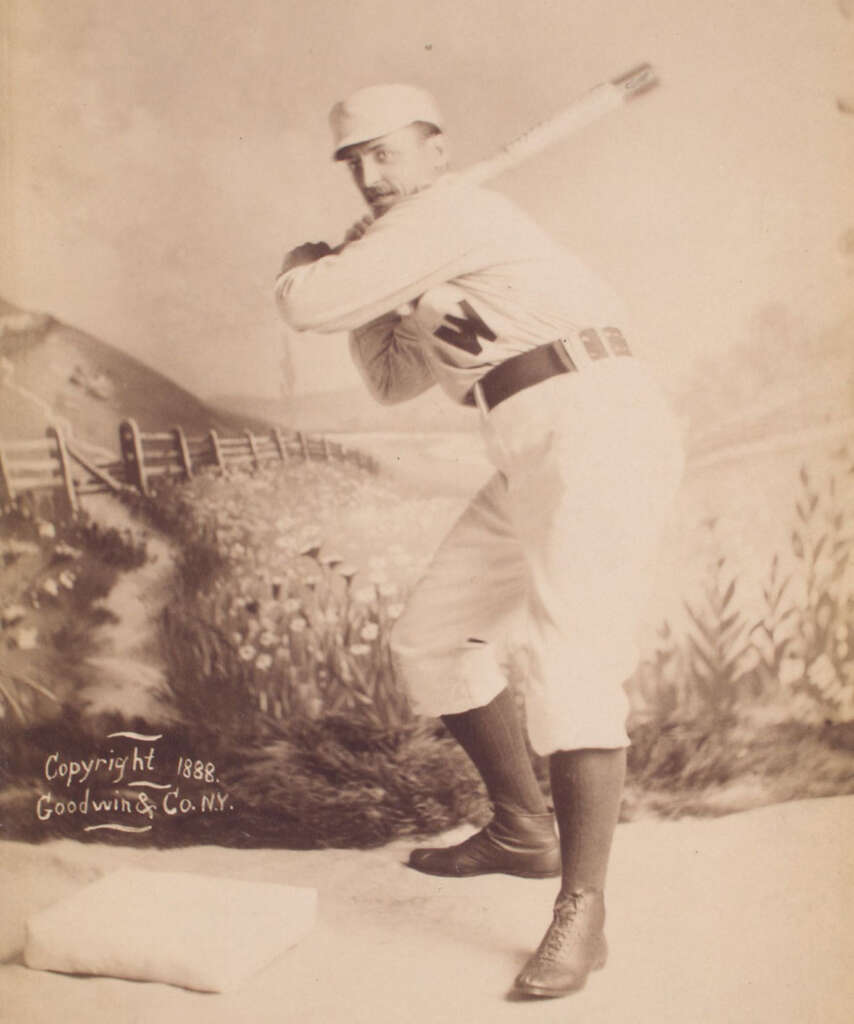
pixel 57 463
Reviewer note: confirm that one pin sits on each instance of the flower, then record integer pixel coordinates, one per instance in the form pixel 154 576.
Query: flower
pixel 394 611
pixel 51 587
pixel 26 638
pixel 822 674
pixel 292 605
pixel 267 639
pixel 12 614
pixel 360 649
pixel 47 531
pixel 370 631
pixel 67 579
pixel 791 671
pixel 246 653
pixel 298 624
pixel 364 595
pixel 346 569
pixel 263 662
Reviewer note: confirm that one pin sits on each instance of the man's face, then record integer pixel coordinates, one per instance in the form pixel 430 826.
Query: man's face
pixel 388 168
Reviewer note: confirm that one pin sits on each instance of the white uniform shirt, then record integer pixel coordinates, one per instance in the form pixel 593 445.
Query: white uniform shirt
pixel 448 283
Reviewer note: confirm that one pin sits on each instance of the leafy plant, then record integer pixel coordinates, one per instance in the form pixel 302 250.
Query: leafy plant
pixel 718 641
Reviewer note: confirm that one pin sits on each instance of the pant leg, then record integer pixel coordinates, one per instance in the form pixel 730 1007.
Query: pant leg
pixel 448 645
pixel 592 462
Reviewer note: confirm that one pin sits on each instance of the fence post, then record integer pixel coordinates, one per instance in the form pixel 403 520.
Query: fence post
pixel 65 468
pixel 130 444
pixel 217 451
pixel 250 437
pixel 278 440
pixel 303 444
pixel 7 492
pixel 183 452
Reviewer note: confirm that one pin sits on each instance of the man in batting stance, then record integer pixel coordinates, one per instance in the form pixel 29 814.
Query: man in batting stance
pixel 450 284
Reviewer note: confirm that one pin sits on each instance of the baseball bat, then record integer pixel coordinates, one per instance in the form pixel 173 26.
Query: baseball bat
pixel 595 103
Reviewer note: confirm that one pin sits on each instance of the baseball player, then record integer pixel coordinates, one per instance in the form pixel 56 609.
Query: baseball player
pixel 449 284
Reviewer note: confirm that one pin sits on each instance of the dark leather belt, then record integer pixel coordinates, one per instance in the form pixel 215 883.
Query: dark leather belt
pixel 538 364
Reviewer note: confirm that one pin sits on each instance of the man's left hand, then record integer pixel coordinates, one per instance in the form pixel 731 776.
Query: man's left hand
pixel 309 252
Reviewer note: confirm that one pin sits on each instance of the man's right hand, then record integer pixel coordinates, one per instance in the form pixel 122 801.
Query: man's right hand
pixel 309 252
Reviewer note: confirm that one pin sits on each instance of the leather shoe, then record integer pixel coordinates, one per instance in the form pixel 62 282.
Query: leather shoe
pixel 573 946
pixel 513 843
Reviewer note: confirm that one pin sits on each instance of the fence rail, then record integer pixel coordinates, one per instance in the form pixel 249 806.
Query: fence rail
pixel 56 463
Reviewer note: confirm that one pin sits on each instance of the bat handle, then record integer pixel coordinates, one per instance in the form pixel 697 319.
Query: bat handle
pixel 637 81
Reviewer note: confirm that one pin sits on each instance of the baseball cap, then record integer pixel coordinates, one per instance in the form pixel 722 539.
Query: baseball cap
pixel 377 110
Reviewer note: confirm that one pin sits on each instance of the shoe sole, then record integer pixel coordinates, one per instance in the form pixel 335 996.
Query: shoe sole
pixel 551 873
pixel 542 992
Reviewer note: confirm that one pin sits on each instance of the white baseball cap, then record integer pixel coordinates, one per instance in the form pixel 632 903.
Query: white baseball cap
pixel 378 110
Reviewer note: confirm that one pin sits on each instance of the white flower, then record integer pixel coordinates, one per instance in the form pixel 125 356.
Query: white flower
pixel 247 652
pixel 360 649
pixel 298 624
pixel 792 670
pixel 267 639
pixel 346 569
pixel 67 580
pixel 12 614
pixel 292 605
pixel 47 531
pixel 370 631
pixel 26 638
pixel 364 595
pixel 394 611
pixel 822 673
pixel 51 587
pixel 237 638
pixel 263 662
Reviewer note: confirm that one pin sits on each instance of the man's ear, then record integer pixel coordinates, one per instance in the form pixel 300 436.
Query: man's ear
pixel 439 148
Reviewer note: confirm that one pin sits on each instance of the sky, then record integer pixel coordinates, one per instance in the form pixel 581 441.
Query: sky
pixel 159 159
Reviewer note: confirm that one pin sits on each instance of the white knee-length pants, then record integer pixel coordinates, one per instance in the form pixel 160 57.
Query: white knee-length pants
pixel 553 553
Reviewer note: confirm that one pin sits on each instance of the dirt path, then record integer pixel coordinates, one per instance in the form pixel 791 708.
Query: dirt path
pixel 126 674
pixel 744 920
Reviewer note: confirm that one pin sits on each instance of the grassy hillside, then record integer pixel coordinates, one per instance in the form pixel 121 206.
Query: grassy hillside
pixel 52 369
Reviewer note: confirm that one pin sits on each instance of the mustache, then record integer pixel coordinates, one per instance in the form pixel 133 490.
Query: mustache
pixel 372 194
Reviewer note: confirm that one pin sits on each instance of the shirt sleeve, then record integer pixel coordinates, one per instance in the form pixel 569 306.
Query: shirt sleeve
pixel 390 360
pixel 426 240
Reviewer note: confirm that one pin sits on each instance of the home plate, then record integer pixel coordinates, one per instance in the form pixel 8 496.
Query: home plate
pixel 194 931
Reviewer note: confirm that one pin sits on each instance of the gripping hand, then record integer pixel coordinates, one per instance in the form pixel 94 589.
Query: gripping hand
pixel 309 252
